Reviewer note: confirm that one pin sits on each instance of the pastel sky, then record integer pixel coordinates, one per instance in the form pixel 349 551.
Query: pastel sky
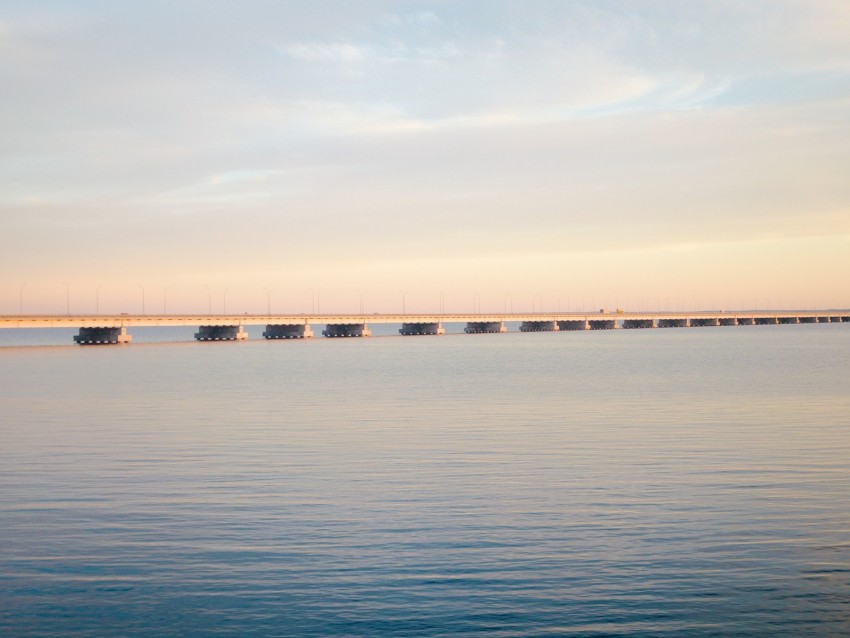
pixel 639 154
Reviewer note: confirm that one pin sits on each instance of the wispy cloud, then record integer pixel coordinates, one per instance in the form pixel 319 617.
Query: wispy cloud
pixel 327 52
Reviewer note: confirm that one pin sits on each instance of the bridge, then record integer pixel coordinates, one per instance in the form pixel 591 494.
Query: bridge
pixel 113 329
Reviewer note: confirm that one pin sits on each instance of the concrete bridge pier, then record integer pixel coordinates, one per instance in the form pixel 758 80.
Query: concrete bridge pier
pixel 422 328
pixel 766 321
pixel 288 331
pixel 221 333
pixel 102 336
pixel 481 327
pixel 674 322
pixel 639 323
pixel 701 322
pixel 746 321
pixel 334 330
pixel 539 326
pixel 573 324
pixel 823 319
pixel 602 324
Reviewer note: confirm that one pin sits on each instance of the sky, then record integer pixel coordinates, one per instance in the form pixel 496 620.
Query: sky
pixel 537 154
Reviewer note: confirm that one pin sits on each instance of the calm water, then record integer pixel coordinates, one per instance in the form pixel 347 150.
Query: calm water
pixel 680 482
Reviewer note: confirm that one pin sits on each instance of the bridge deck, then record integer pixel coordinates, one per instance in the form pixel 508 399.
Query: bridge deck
pixel 127 320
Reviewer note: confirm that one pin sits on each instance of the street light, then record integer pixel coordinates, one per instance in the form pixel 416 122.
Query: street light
pixel 224 306
pixel 21 299
pixel 67 298
pixel 442 303
pixel 97 299
pixel 268 300
pixel 209 298
pixel 312 302
pixel 403 305
pixel 164 290
pixel 361 293
pixel 559 303
pixel 143 298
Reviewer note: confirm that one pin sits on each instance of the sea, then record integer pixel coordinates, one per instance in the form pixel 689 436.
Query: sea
pixel 644 483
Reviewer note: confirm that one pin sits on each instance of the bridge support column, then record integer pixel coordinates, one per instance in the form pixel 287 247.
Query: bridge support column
pixel 102 336
pixel 823 319
pixel 702 322
pixel 221 333
pixel 422 329
pixel 573 324
pixel 673 322
pixel 334 330
pixel 746 321
pixel 480 327
pixel 539 326
pixel 639 323
pixel 288 331
pixel 766 321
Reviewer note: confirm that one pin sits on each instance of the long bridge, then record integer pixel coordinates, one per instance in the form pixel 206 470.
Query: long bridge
pixel 112 329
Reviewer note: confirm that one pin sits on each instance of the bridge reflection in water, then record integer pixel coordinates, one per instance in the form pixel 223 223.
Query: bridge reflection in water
pixel 112 329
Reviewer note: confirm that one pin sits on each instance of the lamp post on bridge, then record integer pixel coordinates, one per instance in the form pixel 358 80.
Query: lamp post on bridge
pixel 21 299
pixel 361 293
pixel 559 303
pixel 268 301
pixel 442 302
pixel 67 298
pixel 403 304
pixel 224 306
pixel 164 290
pixel 97 299
pixel 143 298
pixel 534 299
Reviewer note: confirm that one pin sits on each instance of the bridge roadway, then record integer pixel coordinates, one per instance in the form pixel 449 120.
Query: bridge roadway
pixel 110 328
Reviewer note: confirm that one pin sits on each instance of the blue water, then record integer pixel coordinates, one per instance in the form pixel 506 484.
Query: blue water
pixel 678 482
